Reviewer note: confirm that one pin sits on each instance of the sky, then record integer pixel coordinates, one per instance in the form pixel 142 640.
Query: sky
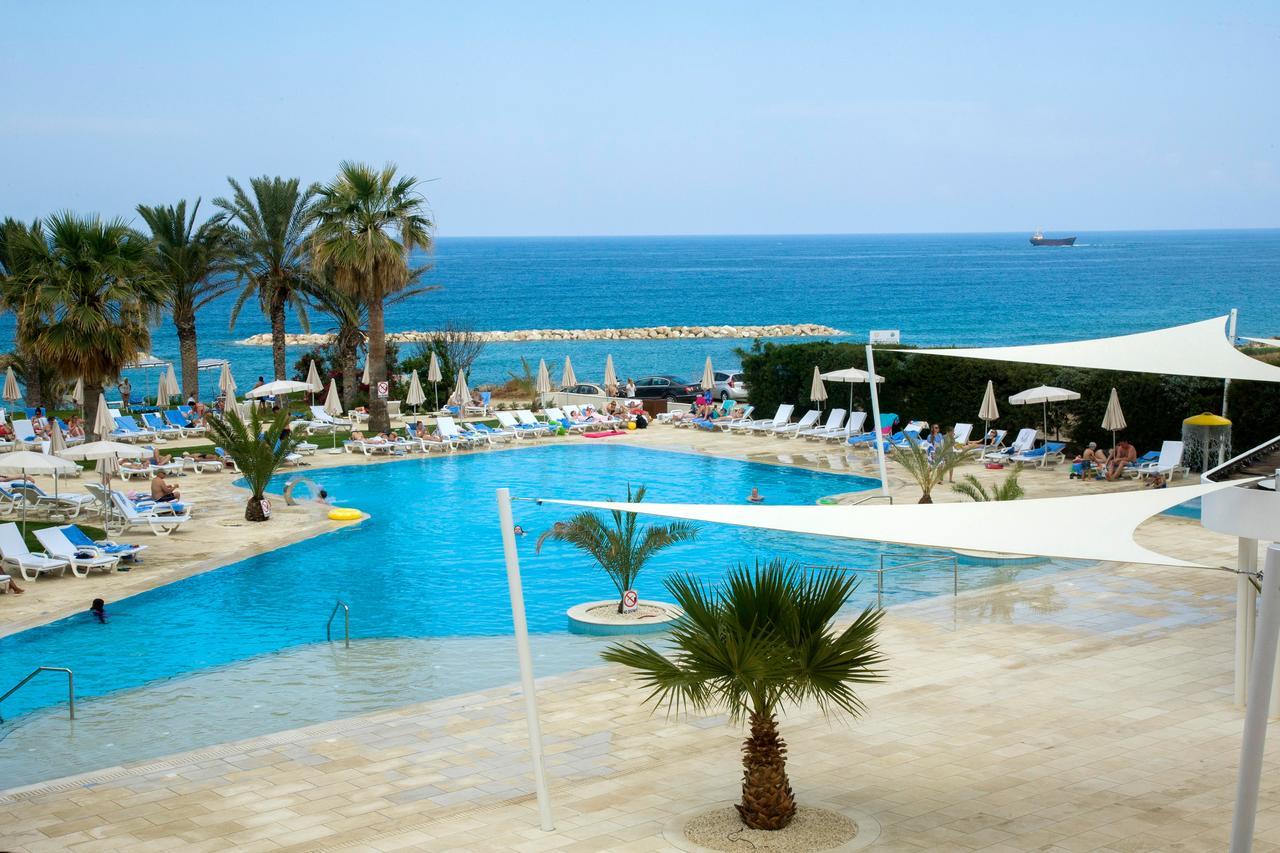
pixel 664 117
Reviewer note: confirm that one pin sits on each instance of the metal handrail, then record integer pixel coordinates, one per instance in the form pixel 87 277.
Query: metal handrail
pixel 71 686
pixel 917 561
pixel 346 623
pixel 869 498
pixel 1239 459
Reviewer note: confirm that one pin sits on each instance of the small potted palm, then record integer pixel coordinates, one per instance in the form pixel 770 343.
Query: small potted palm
pixel 927 468
pixel 258 452
pixel 760 643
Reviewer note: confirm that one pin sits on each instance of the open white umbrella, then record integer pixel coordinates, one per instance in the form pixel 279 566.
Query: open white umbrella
pixel 415 397
pixel 12 393
pixel 851 376
pixel 708 380
pixel 227 384
pixel 1043 394
pixel 278 387
pixel 24 462
pixel 103 424
pixel 567 376
pixel 108 454
pixel 314 385
pixel 461 393
pixel 989 411
pixel 434 377
pixel 817 391
pixel 1114 418
pixel 610 377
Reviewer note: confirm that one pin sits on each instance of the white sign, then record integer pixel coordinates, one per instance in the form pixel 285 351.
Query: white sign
pixel 630 601
pixel 384 390
pixel 886 336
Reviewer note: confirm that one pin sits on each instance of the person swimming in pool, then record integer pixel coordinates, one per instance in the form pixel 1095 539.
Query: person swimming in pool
pixel 519 531
pixel 99 610
pixel 755 497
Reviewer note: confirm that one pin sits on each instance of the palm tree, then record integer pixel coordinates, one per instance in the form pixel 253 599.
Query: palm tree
pixel 929 470
pixel 1008 489
pixel 258 452
pixel 191 261
pixel 622 547
pixel 97 296
pixel 761 642
pixel 17 241
pixel 268 234
pixel 367 221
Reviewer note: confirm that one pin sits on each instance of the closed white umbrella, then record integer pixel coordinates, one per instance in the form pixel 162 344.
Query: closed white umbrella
pixel 851 376
pixel 543 383
pixel 989 411
pixel 77 393
pixel 165 391
pixel 708 380
pixel 461 393
pixel 415 397
pixel 1043 394
pixel 1114 418
pixel 364 377
pixel 567 376
pixel 12 393
pixel 57 444
pixel 175 390
pixel 817 391
pixel 434 377
pixel 103 424
pixel 226 382
pixel 24 462
pixel 314 385
pixel 610 377
pixel 333 408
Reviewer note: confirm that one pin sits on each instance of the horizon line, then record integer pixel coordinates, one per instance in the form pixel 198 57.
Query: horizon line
pixel 703 234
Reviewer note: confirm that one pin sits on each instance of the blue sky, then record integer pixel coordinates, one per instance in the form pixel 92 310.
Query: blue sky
pixel 661 118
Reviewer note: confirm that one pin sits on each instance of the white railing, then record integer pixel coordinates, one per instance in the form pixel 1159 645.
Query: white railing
pixel 1246 512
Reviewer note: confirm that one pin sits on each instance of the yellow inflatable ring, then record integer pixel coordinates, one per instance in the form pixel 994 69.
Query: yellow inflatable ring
pixel 345 514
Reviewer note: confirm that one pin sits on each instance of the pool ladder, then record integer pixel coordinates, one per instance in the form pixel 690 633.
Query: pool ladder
pixel 71 686
pixel 328 628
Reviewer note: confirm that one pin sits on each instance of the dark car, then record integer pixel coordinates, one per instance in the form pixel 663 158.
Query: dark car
pixel 666 387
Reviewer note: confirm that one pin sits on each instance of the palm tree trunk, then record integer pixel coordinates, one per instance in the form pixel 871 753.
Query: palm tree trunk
pixel 254 510
pixel 184 321
pixel 767 800
pixel 925 498
pixel 277 335
pixel 34 388
pixel 378 420
pixel 92 391
pixel 348 344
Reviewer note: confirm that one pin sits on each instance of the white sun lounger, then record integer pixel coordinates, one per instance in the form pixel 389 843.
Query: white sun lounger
pixel 509 422
pixel 320 416
pixel 1024 442
pixel 1169 463
pixel 24 433
pixel 527 420
pixel 66 504
pixel 960 434
pixel 835 423
pixel 782 416
pixel 806 422
pixel 14 554
pixel 448 430
pixel 57 545
pixel 853 426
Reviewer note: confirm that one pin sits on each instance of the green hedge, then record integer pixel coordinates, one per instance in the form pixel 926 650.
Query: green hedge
pixel 949 390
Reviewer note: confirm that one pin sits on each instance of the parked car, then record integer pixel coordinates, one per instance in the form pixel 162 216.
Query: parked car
pixel 666 387
pixel 729 386
pixel 585 388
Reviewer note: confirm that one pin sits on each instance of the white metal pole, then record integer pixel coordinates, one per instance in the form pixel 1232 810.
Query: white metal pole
pixel 1255 714
pixel 875 420
pixel 1246 602
pixel 526 658
pixel 1226 383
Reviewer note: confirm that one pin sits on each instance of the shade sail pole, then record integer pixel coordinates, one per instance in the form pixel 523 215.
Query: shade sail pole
pixel 1255 713
pixel 875 422
pixel 1226 383
pixel 516 590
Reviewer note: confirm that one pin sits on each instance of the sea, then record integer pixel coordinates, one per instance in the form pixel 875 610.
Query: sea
pixel 934 289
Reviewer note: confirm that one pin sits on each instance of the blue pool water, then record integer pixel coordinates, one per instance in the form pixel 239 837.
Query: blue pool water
pixel 429 564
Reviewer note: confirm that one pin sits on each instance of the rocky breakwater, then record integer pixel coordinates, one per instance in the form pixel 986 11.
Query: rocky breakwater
pixel 647 333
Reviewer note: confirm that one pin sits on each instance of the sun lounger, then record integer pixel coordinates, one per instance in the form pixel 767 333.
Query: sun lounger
pixel 780 417
pixel 834 423
pixel 559 417
pixel 157 425
pixel 71 440
pixel 127 429
pixel 1024 442
pixel 1050 451
pixel 448 430
pixel 66 504
pixel 807 421
pixel 527 420
pixel 483 407
pixel 79 538
pixel 14 554
pixel 734 418
pixel 24 433
pixel 181 420
pixel 1168 463
pixel 852 426
pixel 509 422
pixel 319 415
pixel 83 558
pixel 227 461
pixel 961 433
pixel 494 434
pixel 161 518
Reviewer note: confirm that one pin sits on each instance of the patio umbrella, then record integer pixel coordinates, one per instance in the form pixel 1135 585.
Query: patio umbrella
pixel 108 454
pixel 852 376
pixel 434 377
pixel 1043 394
pixel 227 383
pixel 24 462
pixel 333 408
pixel 817 391
pixel 77 394
pixel 12 393
pixel 278 387
pixel 989 411
pixel 164 391
pixel 1114 418
pixel 175 390
pixel 610 377
pixel 103 424
pixel 543 383
pixel 567 376
pixel 314 385
pixel 57 444
pixel 461 393
pixel 364 377
pixel 415 397
pixel 708 380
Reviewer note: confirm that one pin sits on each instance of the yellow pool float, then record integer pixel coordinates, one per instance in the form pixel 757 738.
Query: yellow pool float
pixel 345 514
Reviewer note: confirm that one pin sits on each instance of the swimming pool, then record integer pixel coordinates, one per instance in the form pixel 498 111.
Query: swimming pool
pixel 239 650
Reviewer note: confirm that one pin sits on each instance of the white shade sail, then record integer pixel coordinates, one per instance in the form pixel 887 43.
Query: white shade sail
pixel 567 376
pixel 332 402
pixel 989 411
pixel 708 379
pixel 415 397
pixel 280 386
pixel 1196 349
pixel 433 369
pixel 1045 527
pixel 12 393
pixel 610 375
pixel 817 391
pixel 314 385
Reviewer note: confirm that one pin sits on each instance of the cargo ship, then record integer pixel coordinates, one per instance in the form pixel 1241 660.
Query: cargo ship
pixel 1038 239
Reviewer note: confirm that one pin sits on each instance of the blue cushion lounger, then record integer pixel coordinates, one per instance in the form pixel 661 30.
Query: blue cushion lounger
pixel 79 537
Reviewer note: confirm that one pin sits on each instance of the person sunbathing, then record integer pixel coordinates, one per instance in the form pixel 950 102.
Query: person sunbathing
pixel 1123 456
pixel 158 458
pixel 162 491
pixel 75 429
pixel 8 584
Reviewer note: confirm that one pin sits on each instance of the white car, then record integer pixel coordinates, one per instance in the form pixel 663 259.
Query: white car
pixel 729 386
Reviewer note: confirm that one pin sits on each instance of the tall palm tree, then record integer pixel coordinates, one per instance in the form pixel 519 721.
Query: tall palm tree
pixel 761 642
pixel 19 246
pixel 192 262
pixel 620 545
pixel 97 296
pixel 367 221
pixel 268 232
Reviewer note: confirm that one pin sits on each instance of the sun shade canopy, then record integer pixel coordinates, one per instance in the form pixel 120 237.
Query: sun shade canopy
pixel 1196 349
pixel 1080 527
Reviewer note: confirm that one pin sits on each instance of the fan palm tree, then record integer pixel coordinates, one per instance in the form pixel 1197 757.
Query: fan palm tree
pixel 620 545
pixel 192 262
pixel 929 470
pixel 367 221
pixel 258 451
pixel 97 297
pixel 268 232
pixel 758 644
pixel 1008 489
pixel 17 241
